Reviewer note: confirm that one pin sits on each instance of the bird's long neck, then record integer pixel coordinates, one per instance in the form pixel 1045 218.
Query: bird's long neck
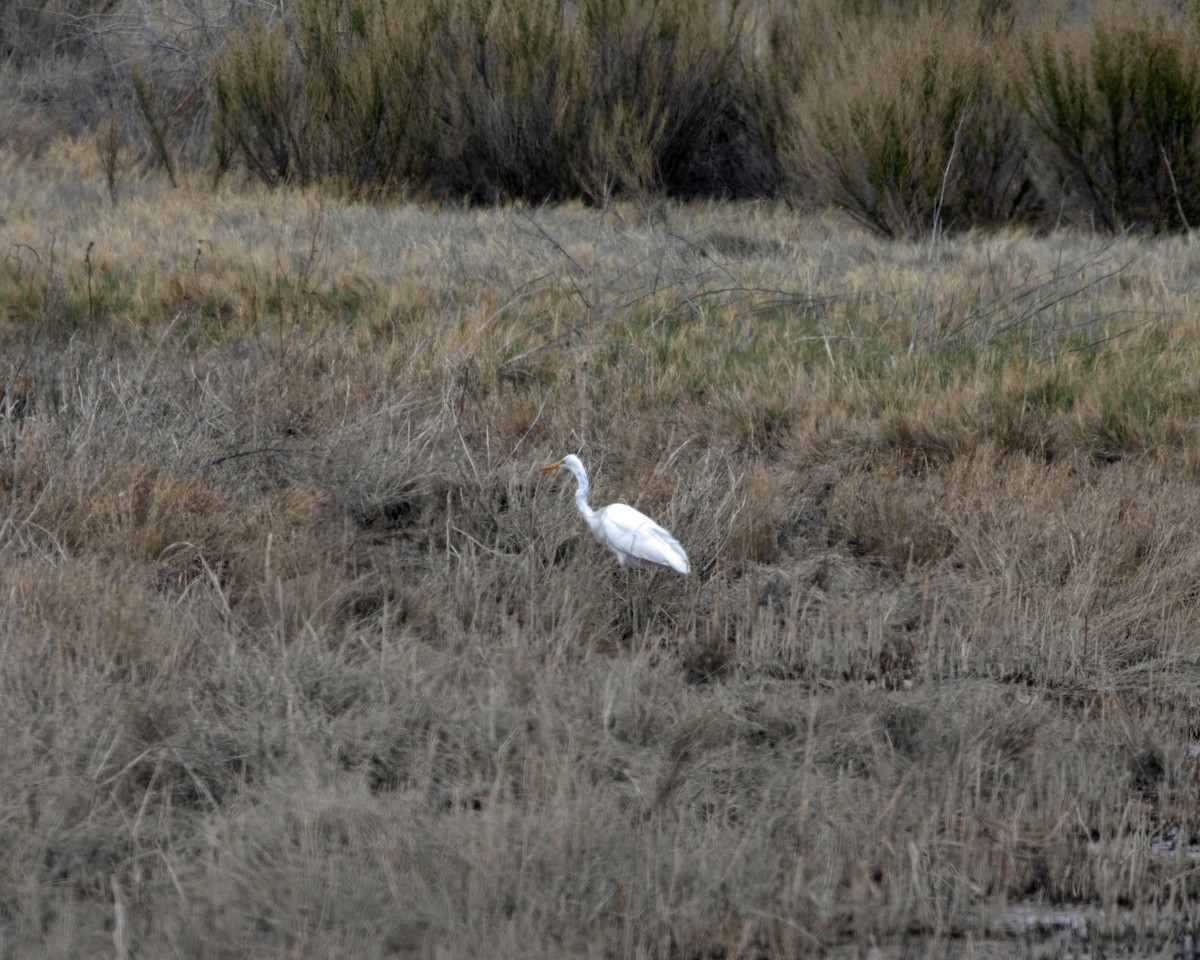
pixel 581 499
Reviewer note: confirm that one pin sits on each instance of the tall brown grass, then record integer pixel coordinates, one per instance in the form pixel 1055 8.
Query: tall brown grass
pixel 301 655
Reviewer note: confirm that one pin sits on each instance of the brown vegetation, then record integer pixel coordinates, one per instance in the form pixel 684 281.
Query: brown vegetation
pixel 301 655
pixel 913 118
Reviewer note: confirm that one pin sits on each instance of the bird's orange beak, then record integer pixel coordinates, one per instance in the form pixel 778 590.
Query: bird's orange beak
pixel 550 466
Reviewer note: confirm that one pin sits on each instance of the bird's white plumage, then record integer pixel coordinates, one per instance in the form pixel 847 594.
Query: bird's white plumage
pixel 627 532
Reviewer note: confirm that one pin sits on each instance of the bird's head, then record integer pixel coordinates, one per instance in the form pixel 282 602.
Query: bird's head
pixel 570 461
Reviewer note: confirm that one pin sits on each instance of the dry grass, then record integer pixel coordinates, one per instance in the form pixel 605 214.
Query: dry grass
pixel 300 656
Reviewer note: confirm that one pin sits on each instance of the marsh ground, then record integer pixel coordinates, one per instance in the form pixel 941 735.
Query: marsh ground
pixel 301 657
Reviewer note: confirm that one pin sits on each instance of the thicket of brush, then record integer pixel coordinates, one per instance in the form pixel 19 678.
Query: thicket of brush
pixel 911 117
pixel 300 655
pixel 489 100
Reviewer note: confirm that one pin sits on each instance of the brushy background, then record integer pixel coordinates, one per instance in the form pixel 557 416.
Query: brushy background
pixel 299 654
pixel 909 116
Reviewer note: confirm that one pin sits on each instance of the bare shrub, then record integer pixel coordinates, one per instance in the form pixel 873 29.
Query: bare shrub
pixel 257 112
pixel 1117 102
pixel 909 125
pixel 41 28
pixel 659 92
pixel 78 67
pixel 512 78
pixel 519 100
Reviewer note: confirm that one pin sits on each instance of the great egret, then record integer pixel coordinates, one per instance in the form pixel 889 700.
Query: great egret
pixel 625 531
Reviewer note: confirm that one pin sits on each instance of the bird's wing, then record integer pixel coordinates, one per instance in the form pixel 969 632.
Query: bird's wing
pixel 630 533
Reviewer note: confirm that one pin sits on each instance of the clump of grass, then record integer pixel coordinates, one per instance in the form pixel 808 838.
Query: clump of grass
pixel 891 521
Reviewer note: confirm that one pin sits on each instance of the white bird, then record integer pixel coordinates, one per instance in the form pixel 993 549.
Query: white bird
pixel 627 532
